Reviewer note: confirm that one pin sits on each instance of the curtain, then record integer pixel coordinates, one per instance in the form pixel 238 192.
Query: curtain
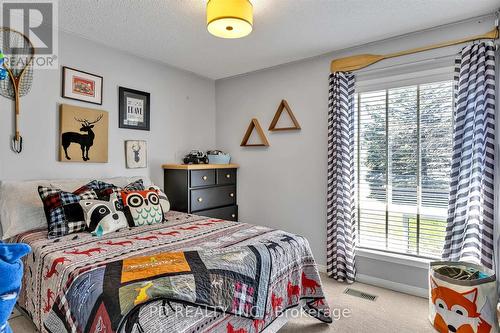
pixel 497 174
pixel 470 228
pixel 341 218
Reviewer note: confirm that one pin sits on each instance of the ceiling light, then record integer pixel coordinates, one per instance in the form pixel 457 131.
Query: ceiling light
pixel 229 18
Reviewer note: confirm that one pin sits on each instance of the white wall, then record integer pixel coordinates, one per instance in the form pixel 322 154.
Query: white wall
pixel 182 115
pixel 284 186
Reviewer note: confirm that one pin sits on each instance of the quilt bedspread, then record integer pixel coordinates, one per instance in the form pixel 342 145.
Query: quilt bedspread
pixel 148 278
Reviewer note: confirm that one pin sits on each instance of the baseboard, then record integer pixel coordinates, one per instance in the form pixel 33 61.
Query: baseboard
pixel 396 286
pixel 321 268
pixel 386 284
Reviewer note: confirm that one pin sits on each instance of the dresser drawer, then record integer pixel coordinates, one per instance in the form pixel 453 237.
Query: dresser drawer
pixel 225 213
pixel 212 197
pixel 198 178
pixel 226 176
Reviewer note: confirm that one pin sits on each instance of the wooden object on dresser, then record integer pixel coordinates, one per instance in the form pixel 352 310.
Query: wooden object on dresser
pixel 202 189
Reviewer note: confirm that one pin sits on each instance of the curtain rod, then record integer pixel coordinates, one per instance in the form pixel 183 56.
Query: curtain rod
pixel 360 61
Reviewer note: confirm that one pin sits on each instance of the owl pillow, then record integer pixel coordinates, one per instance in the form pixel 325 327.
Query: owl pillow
pixel 142 207
pixel 165 204
pixel 103 217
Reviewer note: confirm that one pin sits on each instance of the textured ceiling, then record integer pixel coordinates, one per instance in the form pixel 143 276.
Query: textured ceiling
pixel 174 32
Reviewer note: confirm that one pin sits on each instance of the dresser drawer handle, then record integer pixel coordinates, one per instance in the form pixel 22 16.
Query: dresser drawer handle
pixel 204 177
pixel 228 176
pixel 200 199
pixel 231 195
pixel 233 216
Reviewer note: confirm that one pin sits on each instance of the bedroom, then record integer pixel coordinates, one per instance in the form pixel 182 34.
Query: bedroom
pixel 344 185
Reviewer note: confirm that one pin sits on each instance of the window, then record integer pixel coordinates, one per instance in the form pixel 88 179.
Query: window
pixel 403 153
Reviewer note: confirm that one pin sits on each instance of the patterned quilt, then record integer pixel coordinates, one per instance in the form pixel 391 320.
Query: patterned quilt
pixel 189 274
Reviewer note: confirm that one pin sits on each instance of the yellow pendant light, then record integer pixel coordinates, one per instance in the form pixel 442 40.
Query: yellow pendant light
pixel 229 18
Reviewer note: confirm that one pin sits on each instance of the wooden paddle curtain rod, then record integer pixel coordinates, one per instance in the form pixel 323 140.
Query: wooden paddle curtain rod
pixel 349 64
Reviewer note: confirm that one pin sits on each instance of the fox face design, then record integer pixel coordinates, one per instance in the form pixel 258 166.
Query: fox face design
pixel 144 207
pixel 457 312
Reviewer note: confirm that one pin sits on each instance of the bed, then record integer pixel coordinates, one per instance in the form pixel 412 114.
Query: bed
pixel 56 299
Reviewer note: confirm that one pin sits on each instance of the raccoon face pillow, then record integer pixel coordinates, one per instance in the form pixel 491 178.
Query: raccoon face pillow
pixel 103 217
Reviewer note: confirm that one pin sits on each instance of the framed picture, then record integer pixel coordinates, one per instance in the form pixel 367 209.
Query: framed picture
pixel 134 109
pixel 82 86
pixel 136 154
pixel 83 135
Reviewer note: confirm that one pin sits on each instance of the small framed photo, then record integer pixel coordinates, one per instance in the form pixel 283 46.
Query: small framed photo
pixel 134 109
pixel 136 152
pixel 82 86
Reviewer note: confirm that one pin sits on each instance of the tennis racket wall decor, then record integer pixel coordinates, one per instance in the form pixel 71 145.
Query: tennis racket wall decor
pixel 18 62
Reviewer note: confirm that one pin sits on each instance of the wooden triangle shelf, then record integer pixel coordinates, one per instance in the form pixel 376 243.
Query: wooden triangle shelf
pixel 254 124
pixel 284 106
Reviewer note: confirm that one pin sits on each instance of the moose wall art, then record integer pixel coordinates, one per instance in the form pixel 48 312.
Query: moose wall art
pixel 136 154
pixel 84 135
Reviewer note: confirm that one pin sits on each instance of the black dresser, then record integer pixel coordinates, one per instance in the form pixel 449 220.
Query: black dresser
pixel 202 189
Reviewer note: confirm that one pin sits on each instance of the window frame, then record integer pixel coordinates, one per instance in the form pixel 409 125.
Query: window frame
pixel 368 83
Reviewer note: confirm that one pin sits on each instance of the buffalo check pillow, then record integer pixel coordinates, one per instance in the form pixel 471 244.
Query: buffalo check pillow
pixel 105 191
pixel 62 209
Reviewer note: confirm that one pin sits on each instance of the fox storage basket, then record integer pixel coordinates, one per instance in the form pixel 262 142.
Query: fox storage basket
pixel 462 298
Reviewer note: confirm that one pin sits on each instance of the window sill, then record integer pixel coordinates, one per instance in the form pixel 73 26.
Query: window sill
pixel 400 259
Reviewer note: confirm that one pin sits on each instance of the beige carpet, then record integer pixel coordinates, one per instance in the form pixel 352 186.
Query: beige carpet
pixel 392 312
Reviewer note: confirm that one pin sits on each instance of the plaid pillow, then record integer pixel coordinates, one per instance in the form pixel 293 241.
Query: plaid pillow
pixel 106 190
pixel 62 209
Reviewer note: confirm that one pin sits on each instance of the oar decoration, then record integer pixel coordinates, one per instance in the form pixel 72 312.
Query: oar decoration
pixel 349 64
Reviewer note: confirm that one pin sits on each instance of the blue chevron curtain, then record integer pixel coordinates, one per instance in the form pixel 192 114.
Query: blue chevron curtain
pixel 341 219
pixel 470 230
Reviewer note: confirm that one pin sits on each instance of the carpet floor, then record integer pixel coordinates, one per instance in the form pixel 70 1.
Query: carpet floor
pixel 392 312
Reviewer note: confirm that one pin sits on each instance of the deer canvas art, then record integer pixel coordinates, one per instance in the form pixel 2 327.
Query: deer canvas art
pixel 84 135
pixel 136 154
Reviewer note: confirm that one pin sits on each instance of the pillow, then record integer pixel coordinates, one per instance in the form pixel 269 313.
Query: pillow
pixel 142 207
pixel 165 204
pixel 103 217
pixel 63 211
pixel 106 190
pixel 21 209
